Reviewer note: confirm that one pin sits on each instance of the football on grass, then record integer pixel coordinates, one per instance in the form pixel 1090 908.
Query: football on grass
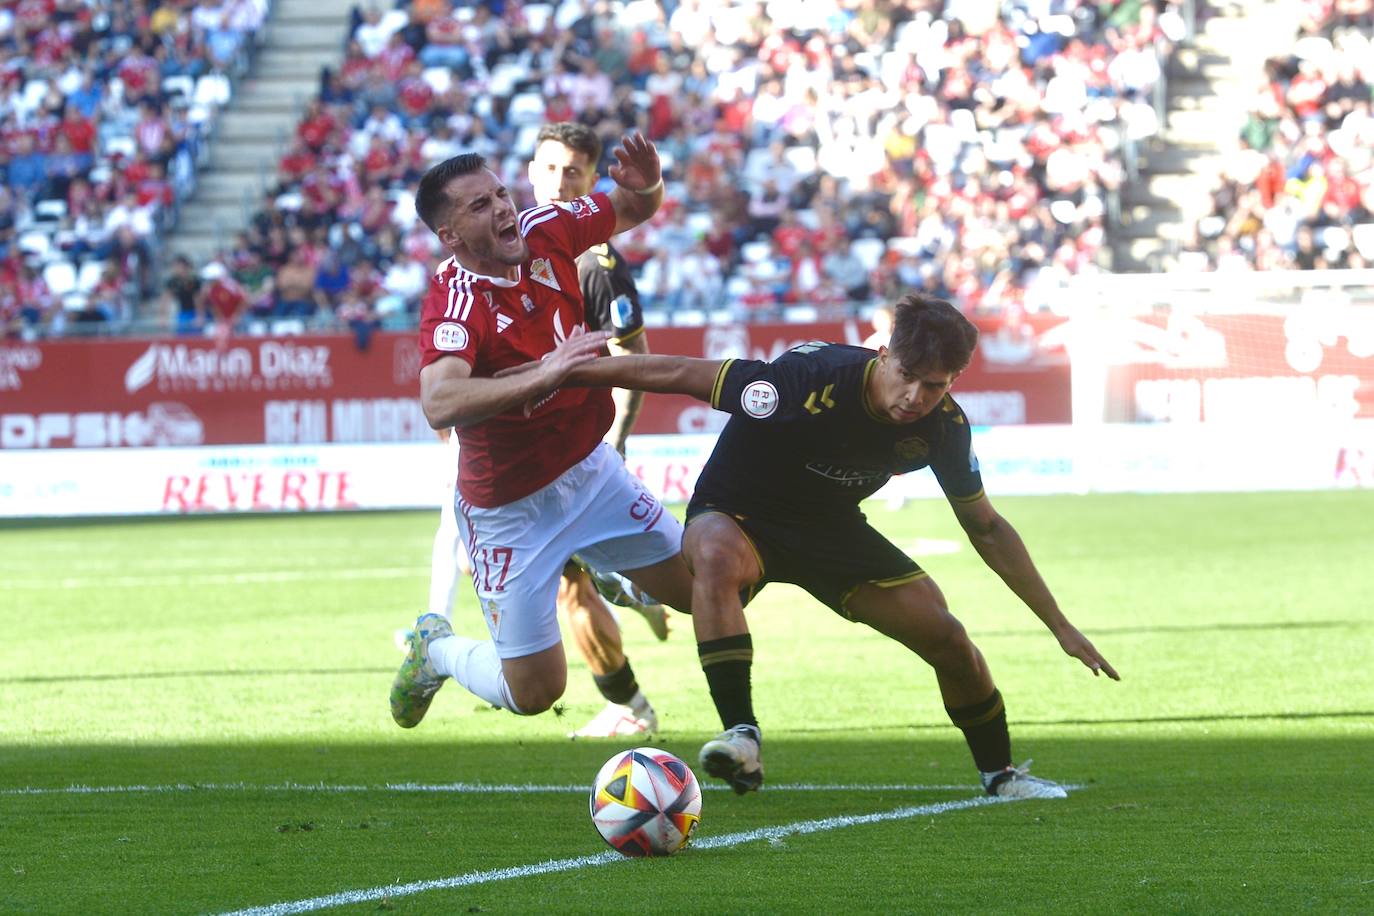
pixel 646 802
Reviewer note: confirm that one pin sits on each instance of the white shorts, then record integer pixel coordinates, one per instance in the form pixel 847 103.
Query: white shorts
pixel 597 509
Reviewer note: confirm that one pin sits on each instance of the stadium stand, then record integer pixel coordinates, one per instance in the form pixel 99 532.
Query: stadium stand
pixel 1297 190
pixel 106 109
pixel 818 156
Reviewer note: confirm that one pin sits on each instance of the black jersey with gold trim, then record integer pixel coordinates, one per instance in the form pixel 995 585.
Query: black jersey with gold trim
pixel 803 442
pixel 608 289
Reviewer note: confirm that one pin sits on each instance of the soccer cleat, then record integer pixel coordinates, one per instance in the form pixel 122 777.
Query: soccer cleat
pixel 733 756
pixel 1017 782
pixel 417 682
pixel 621 592
pixel 617 721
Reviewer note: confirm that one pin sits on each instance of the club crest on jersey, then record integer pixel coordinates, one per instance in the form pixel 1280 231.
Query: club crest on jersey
pixel 527 302
pixel 541 270
pixel 759 399
pixel 912 449
pixel 492 611
pixel 450 337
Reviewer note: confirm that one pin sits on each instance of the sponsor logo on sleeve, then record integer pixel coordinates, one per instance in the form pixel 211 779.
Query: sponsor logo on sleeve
pixel 450 337
pixel 759 399
pixel 583 207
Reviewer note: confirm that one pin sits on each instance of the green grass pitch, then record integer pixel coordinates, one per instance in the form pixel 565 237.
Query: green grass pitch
pixel 237 670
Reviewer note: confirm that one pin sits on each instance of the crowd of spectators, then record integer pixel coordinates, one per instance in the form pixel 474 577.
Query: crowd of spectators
pixel 104 109
pixel 829 152
pixel 1298 191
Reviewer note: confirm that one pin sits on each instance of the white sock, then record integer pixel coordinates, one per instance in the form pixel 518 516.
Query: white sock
pixel 443 566
pixel 474 664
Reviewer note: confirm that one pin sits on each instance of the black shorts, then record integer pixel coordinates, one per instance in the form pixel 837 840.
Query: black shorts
pixel 829 558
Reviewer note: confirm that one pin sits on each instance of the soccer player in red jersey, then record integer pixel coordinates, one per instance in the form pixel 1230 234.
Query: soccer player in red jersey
pixel 536 483
pixel 564 168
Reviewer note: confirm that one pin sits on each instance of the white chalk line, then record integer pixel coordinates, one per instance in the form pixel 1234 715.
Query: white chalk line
pixel 248 578
pixel 771 834
pixel 461 788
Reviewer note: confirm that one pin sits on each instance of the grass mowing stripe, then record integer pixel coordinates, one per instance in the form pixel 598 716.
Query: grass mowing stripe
pixel 772 834
pixel 244 578
pixel 472 788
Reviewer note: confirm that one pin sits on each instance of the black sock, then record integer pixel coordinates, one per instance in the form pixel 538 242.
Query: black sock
pixel 618 686
pixel 985 729
pixel 726 663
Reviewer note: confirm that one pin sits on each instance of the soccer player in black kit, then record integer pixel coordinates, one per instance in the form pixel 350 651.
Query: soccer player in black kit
pixel 564 168
pixel 811 434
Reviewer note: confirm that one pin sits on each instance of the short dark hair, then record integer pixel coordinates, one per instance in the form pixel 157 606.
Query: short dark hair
pixel 431 201
pixel 574 136
pixel 930 334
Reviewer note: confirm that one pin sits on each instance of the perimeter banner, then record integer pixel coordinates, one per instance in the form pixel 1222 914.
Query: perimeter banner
pixel 323 389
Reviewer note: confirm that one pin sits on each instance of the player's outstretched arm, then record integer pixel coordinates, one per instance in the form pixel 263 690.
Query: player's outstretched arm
pixel 650 372
pixel 638 176
pixel 1005 554
pixel 450 396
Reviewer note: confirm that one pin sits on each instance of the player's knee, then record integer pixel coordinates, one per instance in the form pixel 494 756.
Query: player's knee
pixel 719 563
pixel 538 695
pixel 950 649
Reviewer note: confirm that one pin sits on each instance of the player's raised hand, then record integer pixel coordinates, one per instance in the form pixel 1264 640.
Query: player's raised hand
pixel 580 346
pixel 1076 644
pixel 637 166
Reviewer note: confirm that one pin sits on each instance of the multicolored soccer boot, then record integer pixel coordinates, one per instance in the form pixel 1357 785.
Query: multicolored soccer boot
pixel 417 682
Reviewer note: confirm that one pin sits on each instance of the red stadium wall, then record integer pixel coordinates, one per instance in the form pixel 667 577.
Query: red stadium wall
pixel 192 391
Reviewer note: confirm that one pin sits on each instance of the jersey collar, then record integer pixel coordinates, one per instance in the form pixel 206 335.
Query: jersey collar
pixel 461 275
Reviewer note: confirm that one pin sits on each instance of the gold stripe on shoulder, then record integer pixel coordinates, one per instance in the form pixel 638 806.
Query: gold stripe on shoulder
pixel 969 499
pixel 619 341
pixel 720 382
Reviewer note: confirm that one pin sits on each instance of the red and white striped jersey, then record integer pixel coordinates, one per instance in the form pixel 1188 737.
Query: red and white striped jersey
pixel 494 323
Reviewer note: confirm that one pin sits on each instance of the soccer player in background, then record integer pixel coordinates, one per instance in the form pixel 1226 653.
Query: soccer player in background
pixel 536 483
pixel 564 168
pixel 811 434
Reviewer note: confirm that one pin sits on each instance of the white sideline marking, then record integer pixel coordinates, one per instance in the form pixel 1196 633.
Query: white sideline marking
pixel 474 788
pixel 249 578
pixel 772 834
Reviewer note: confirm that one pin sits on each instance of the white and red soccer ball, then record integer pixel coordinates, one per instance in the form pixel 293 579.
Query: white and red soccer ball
pixel 645 802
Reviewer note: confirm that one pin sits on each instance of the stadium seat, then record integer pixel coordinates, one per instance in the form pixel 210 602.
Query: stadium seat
pixel 180 89
pixel 51 210
pixel 701 223
pixel 753 252
pixel 60 277
pixel 213 90
pixel 1363 237
pixel 35 242
pixel 124 145
pixel 905 244
pixel 801 158
pixel 526 108
pixel 869 251
pixel 89 275
pixel 1334 238
pixel 537 17
pixel 440 79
